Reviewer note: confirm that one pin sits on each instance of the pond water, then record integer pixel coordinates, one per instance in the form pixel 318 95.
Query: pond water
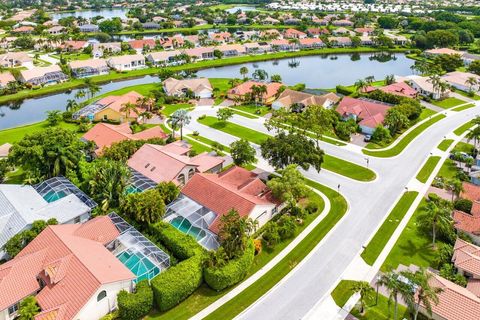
pixel 106 13
pixel 321 71
pixel 242 8
pixel 325 71
pixel 34 110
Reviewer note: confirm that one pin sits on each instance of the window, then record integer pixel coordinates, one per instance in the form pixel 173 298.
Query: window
pixel 190 173
pixel 101 295
pixel 13 309
pixel 181 179
pixel 76 220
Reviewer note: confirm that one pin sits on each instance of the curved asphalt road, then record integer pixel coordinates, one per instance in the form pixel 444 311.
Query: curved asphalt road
pixel 369 203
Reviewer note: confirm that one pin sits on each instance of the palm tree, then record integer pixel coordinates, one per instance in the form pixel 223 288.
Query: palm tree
pixel 80 94
pixel 91 87
pixel 361 85
pixel 365 290
pixel 71 105
pixel 145 103
pixel 369 80
pixel 455 186
pixel 471 81
pixel 145 115
pixel 435 80
pixel 389 79
pixel 395 287
pixel 128 108
pixel 244 72
pixel 474 134
pixel 180 118
pixel 425 293
pixel 260 75
pixel 435 217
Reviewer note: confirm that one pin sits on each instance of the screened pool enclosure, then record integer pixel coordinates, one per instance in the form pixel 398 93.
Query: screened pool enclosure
pixel 136 252
pixel 194 219
pixel 58 187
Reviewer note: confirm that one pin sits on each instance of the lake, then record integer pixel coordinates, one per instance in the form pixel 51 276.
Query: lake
pixel 106 13
pixel 325 71
pixel 242 8
pixel 321 71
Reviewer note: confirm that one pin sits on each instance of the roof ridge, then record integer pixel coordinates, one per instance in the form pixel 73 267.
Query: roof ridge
pixel 228 187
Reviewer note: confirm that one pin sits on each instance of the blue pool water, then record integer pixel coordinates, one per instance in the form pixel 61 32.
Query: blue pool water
pixel 140 266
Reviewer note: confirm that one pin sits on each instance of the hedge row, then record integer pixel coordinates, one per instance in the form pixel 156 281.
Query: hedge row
pixel 134 306
pixel 344 90
pixel 219 278
pixel 179 244
pixel 178 282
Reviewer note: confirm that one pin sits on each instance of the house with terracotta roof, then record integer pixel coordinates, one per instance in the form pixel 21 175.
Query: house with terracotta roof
pixel 57 198
pixel 111 108
pixel 424 86
pixel 317 32
pixel 171 162
pixel 469 223
pixel 440 51
pixel 200 87
pixel 16 59
pixel 243 91
pixel 23 30
pixel 208 196
pixel 365 31
pixel 294 34
pixel 367 113
pixel 88 68
pixel 73 45
pixel 342 23
pixel 300 100
pixel 5 78
pixel 140 45
pixel 466 258
pixel 56 30
pixel 310 43
pixel 127 62
pixel 231 50
pixel 340 41
pixel 401 89
pixel 104 135
pixel 43 75
pixel 283 45
pixel 75 271
pixel 220 37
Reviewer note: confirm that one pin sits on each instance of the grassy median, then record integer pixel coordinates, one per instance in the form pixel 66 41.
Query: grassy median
pixel 427 169
pixel 330 163
pixel 445 144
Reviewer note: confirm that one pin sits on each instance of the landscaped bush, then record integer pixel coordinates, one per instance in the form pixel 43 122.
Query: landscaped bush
pixel 219 278
pixel 177 283
pixel 344 90
pixel 464 205
pixel 134 306
pixel 181 245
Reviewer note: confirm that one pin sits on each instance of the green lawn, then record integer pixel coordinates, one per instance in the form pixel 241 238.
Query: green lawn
pixel 171 108
pixel 207 141
pixel 465 107
pixel 381 237
pixel 448 170
pixel 413 246
pixel 466 95
pixel 204 296
pixel 381 311
pixel 330 163
pixel 463 147
pixel 427 168
pixel 399 147
pixel 460 130
pixel 265 283
pixel 448 102
pixel 244 114
pixel 16 134
pixel 445 144
pixel 374 145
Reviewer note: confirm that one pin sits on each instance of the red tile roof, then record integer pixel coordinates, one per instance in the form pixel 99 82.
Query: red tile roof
pixel 139 44
pixel 116 103
pixel 236 188
pixel 73 262
pixel 469 222
pixel 466 256
pixel 104 135
pixel 399 88
pixel 246 87
pixel 371 113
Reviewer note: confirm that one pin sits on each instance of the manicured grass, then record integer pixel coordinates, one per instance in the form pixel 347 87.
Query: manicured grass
pixel 465 107
pixel 414 246
pixel 448 170
pixel 198 147
pixel 374 145
pixel 16 134
pixel 244 114
pixel 445 144
pixel 171 108
pixel 427 168
pixel 463 147
pixel 380 239
pixel 15 177
pixel 207 141
pixel 399 147
pixel 466 95
pixel 330 163
pixel 460 130
pixel 114 75
pixel 261 286
pixel 253 109
pixel 381 311
pixel 448 102
pixel 343 292
pixel 204 296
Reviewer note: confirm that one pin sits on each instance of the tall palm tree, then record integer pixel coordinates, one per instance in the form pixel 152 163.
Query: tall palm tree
pixel 145 103
pixel 243 72
pixel 80 94
pixel 435 80
pixel 472 82
pixel 365 291
pixel 128 108
pixel 396 287
pixel 71 105
pixel 369 80
pixel 180 118
pixel 389 79
pixel 425 292
pixel 361 85
pixel 435 217
pixel 474 134
pixel 455 186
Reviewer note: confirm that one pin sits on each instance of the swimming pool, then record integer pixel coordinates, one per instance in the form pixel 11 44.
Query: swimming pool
pixel 185 226
pixel 140 265
pixel 53 196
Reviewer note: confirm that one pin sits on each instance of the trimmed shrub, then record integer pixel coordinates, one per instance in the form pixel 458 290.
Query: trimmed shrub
pixel 134 306
pixel 464 205
pixel 177 283
pixel 219 278
pixel 179 244
pixel 344 90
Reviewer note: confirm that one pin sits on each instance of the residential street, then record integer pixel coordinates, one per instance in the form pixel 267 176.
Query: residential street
pixel 369 203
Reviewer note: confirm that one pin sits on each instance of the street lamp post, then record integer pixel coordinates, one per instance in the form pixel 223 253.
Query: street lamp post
pixel 368 161
pixel 338 188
